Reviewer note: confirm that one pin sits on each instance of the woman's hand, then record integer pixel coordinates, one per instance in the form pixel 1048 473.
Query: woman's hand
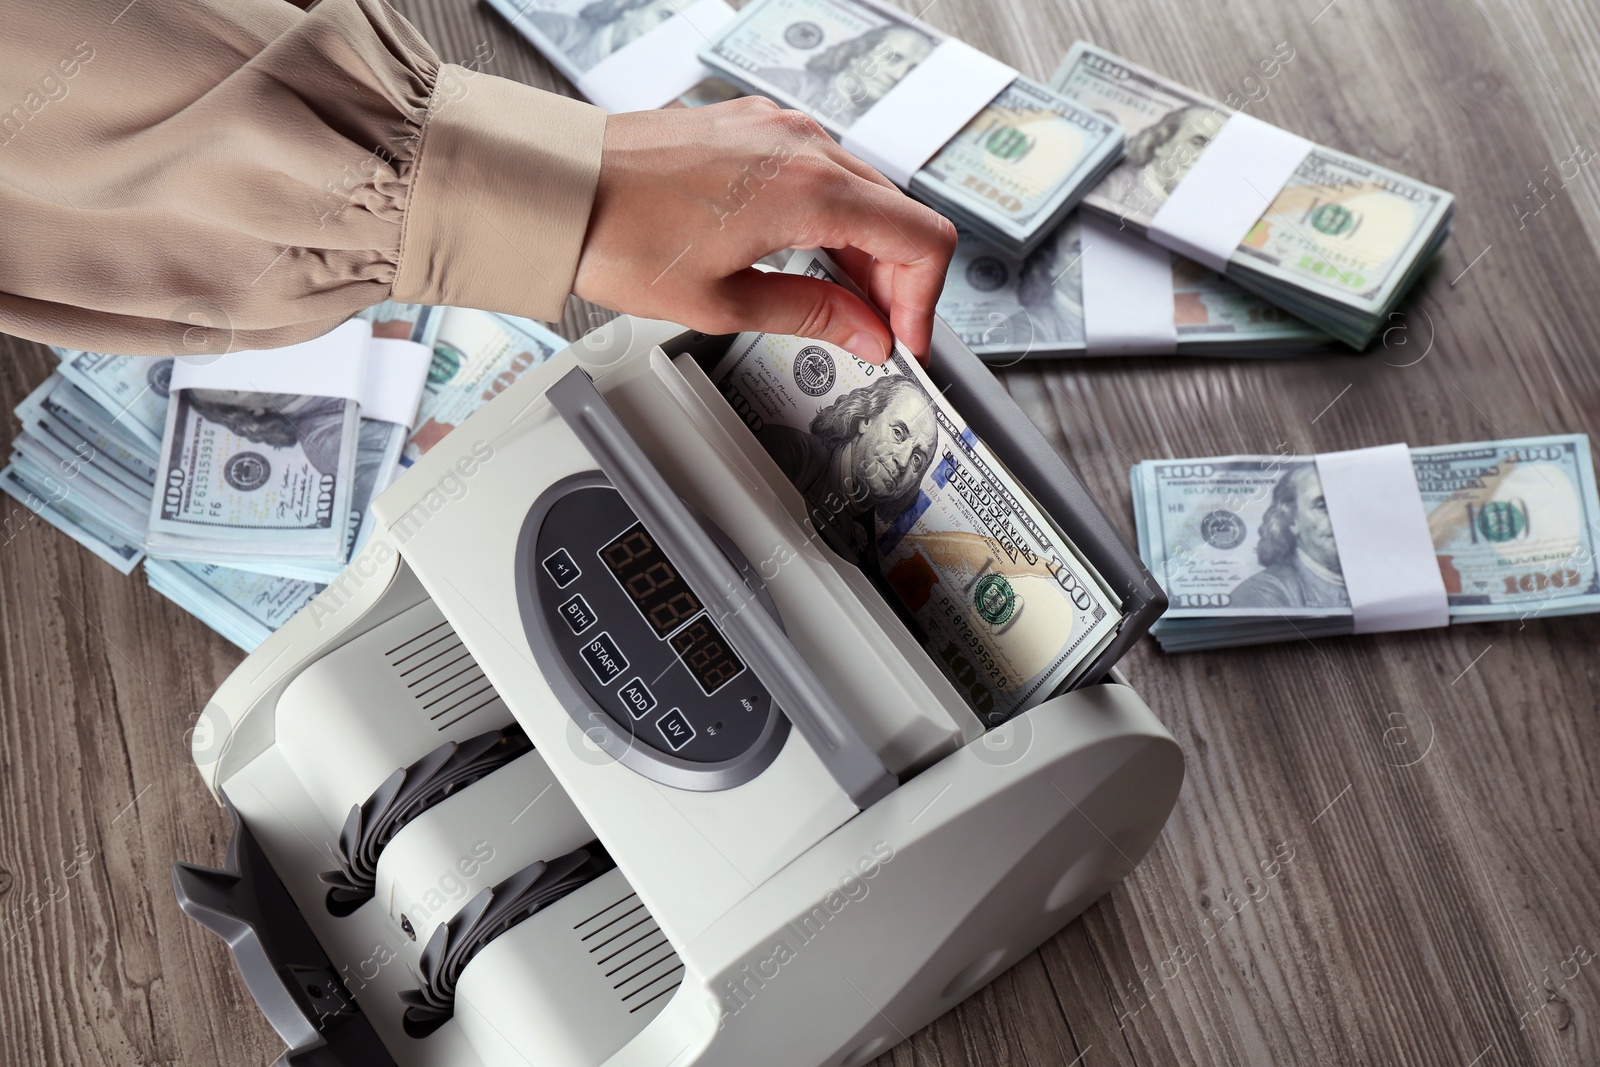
pixel 689 198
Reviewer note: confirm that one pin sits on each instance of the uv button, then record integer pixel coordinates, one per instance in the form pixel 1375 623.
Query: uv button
pixel 674 726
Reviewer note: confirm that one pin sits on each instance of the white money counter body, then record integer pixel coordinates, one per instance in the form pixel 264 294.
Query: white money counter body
pixel 596 755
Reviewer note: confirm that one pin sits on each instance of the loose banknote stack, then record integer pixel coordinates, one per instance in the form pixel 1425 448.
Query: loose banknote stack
pixel 74 467
pixel 1338 246
pixel 95 434
pixel 1244 549
pixel 1008 308
pixel 1011 173
pixel 897 483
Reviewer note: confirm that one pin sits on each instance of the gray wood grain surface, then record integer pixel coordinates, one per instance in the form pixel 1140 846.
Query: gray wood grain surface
pixel 1387 849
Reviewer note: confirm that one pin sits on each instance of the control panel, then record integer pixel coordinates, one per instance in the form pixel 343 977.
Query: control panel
pixel 613 612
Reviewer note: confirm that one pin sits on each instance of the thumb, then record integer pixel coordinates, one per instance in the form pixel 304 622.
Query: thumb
pixel 807 307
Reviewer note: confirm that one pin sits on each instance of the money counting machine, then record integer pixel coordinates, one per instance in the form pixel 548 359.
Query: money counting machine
pixel 596 755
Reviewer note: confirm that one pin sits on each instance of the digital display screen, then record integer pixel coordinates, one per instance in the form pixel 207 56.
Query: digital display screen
pixel 650 580
pixel 706 654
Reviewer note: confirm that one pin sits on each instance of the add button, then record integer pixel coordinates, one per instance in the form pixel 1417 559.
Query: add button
pixel 637 698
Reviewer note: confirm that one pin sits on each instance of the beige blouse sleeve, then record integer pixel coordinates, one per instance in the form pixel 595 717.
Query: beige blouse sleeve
pixel 204 175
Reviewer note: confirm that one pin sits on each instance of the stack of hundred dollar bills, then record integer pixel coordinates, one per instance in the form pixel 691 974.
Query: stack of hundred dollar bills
pixel 1008 309
pixel 897 483
pixel 1010 175
pixel 1243 547
pixel 575 35
pixel 1339 245
pixel 96 433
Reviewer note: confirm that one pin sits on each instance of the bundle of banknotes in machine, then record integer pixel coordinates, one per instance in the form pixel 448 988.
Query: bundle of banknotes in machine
pixel 243 497
pixel 896 482
pixel 1052 303
pixel 1253 549
pixel 998 153
pixel 1334 239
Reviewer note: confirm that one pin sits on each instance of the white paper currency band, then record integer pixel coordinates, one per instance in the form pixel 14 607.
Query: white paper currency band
pixel 1381 530
pixel 1230 186
pixel 1127 293
pixel 926 108
pixel 331 365
pixel 396 372
pixel 652 70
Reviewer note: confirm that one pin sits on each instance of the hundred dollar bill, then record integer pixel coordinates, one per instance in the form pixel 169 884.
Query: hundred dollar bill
pixel 1007 308
pixel 133 390
pixel 254 477
pixel 476 355
pixel 63 431
pixel 245 608
pixel 896 482
pixel 1010 174
pixel 1244 550
pixel 575 35
pixel 378 448
pixel 50 498
pixel 1339 245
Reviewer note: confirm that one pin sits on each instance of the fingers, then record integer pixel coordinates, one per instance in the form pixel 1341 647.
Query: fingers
pixel 858 265
pixel 872 277
pixel 844 203
pixel 893 229
pixel 806 307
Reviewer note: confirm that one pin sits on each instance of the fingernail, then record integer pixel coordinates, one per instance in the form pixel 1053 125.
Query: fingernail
pixel 866 346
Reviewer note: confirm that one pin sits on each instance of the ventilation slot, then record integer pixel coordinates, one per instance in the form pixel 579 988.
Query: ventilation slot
pixel 631 952
pixel 441 676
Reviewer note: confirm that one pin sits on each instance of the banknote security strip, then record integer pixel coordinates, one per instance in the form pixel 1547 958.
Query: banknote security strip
pixel 659 66
pixel 1232 183
pixel 1128 306
pixel 926 108
pixel 1391 570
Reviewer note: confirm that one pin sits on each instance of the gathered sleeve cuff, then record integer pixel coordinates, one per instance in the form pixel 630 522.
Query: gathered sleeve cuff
pixel 240 174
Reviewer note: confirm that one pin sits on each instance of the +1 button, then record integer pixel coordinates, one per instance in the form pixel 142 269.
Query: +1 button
pixel 561 569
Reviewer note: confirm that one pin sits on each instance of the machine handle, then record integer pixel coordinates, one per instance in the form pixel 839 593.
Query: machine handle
pixel 755 635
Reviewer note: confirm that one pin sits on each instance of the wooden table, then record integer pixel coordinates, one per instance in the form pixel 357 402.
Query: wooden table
pixel 1387 849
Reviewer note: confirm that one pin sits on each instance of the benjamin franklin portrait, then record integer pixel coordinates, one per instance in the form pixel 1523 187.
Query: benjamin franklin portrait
pixel 1050 289
pixel 601 27
pixel 1158 156
pixel 862 461
pixel 839 83
pixel 281 420
pixel 1299 560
